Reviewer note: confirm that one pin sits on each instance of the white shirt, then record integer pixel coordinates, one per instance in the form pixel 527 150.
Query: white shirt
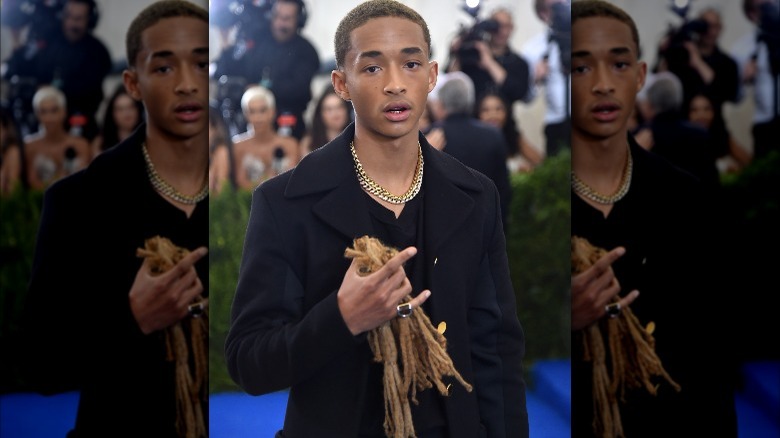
pixel 555 84
pixel 763 86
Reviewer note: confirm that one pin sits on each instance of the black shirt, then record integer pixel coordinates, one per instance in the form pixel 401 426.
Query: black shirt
pixel 400 233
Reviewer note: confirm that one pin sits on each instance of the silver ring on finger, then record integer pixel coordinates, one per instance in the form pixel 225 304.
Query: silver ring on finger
pixel 404 310
pixel 196 309
pixel 613 309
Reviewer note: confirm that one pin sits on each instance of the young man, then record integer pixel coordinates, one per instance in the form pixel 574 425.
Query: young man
pixel 651 216
pixel 301 312
pixel 97 315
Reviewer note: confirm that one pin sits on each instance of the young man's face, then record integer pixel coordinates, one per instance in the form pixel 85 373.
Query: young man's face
pixel 605 77
pixel 171 77
pixel 387 76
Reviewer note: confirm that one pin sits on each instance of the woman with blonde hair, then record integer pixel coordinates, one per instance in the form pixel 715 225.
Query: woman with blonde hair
pixel 260 153
pixel 52 153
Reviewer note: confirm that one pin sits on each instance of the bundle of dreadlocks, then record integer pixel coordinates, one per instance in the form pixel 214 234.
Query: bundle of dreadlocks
pixel 191 372
pixel 633 361
pixel 423 349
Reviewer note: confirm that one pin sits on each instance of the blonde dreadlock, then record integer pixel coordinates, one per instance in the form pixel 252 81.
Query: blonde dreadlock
pixel 423 348
pixel 632 351
pixel 191 372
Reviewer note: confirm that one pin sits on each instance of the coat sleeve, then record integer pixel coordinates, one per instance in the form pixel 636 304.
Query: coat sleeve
pixel 498 342
pixel 53 317
pixel 272 343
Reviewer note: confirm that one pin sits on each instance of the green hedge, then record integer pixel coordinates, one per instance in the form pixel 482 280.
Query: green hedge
pixel 19 216
pixel 539 262
pixel 228 217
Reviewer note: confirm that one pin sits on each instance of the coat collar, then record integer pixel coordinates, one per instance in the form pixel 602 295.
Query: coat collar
pixel 329 172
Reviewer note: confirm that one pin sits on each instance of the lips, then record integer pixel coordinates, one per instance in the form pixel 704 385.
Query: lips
pixel 397 111
pixel 188 111
pixel 605 111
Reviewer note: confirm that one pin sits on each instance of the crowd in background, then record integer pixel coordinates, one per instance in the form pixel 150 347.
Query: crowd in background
pixel 55 76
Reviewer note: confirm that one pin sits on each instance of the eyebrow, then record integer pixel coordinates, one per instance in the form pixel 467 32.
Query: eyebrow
pixel 614 51
pixel 377 53
pixel 169 53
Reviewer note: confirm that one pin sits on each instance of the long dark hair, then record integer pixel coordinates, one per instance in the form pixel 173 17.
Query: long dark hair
pixel 509 129
pixel 319 135
pixel 110 132
pixel 221 138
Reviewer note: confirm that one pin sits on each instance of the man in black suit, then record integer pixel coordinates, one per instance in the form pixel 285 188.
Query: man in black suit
pixel 474 143
pixel 301 312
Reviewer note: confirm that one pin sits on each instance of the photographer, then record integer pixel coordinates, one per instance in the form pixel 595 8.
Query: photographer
pixel 546 51
pixel 756 53
pixel 75 61
pixel 483 53
pixel 278 58
pixel 692 54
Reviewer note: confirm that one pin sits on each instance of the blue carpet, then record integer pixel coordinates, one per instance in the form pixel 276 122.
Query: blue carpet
pixel 37 416
pixel 237 415
pixel 758 401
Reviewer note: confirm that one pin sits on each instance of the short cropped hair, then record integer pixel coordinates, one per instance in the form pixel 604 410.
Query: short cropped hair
pixel 457 94
pixel 665 93
pixel 48 92
pixel 599 8
pixel 254 92
pixel 151 15
pixel 369 10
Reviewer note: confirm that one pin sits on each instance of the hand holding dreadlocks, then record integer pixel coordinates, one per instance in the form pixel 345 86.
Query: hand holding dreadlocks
pixel 369 301
pixel 159 301
pixel 593 287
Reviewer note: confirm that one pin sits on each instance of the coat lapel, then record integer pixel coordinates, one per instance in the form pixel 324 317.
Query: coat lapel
pixel 447 204
pixel 328 172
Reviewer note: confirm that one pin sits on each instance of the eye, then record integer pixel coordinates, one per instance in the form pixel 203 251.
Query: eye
pixel 372 69
pixel 579 69
pixel 622 65
pixel 163 69
pixel 413 64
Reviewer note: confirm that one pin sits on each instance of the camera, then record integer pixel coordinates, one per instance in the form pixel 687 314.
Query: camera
pixel 675 53
pixel 560 32
pixel 481 30
pixel 250 18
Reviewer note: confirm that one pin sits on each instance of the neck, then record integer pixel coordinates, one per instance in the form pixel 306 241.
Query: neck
pixel 388 161
pixel 263 133
pixel 600 163
pixel 499 49
pixel 332 133
pixel 54 135
pixel 183 163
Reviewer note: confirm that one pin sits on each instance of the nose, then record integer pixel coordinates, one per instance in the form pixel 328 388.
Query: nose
pixel 603 81
pixel 187 81
pixel 395 82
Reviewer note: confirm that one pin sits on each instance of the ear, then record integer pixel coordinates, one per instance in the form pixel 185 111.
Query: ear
pixel 433 75
pixel 130 79
pixel 339 80
pixel 641 76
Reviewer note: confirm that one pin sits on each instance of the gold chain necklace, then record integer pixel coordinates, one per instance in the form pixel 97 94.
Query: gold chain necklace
pixel 168 190
pixel 380 192
pixel 586 191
